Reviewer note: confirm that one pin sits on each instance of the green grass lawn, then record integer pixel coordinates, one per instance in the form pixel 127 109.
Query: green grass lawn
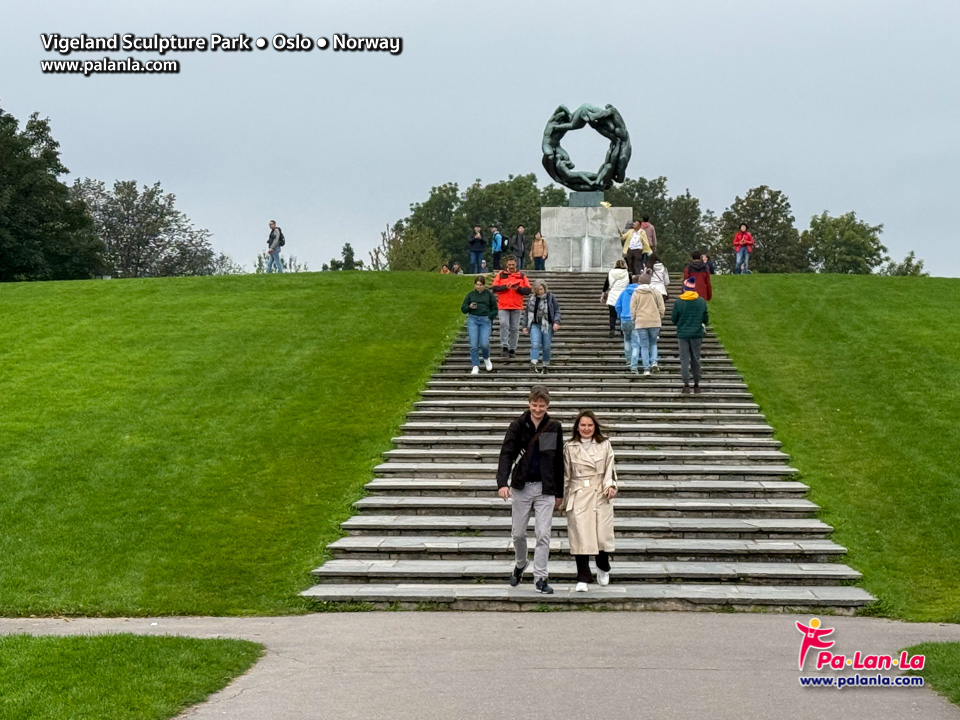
pixel 114 677
pixel 941 669
pixel 190 445
pixel 860 378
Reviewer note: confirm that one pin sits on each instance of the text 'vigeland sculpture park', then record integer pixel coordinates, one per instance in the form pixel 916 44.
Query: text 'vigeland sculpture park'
pixel 608 122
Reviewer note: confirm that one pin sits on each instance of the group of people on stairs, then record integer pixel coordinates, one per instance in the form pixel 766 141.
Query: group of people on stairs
pixel 539 472
pixel 519 307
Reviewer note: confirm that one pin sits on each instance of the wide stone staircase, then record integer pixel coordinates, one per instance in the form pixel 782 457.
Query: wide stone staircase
pixel 710 515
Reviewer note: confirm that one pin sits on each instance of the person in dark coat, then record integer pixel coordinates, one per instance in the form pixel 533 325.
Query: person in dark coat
pixel 531 472
pixel 518 246
pixel 698 270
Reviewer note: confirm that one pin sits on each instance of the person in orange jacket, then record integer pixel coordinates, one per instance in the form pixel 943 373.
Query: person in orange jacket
pixel 698 270
pixel 510 287
pixel 743 246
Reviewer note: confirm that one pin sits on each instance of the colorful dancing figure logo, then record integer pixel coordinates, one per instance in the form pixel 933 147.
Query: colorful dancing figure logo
pixel 812 638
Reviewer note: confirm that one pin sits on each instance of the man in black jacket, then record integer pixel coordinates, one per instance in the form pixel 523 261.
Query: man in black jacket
pixel 531 461
pixel 518 246
pixel 476 244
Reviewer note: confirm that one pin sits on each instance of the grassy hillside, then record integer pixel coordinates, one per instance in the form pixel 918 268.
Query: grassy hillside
pixel 188 446
pixel 860 377
pixel 114 676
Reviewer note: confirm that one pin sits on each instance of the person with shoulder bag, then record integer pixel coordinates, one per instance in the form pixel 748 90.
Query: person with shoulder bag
pixel 530 470
pixel 541 319
pixel 659 277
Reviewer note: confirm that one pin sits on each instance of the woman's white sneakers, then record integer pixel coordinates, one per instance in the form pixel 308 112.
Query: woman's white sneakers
pixel 476 370
pixel 488 364
pixel 581 587
pixel 603 577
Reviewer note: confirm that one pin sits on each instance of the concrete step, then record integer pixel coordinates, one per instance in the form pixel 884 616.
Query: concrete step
pixel 627 442
pixel 698 428
pixel 519 404
pixel 615 382
pixel 689 471
pixel 625 506
pixel 519 370
pixel 565 570
pixel 459 547
pixel 637 526
pixel 638 392
pixel 666 596
pixel 461 366
pixel 673 456
pixel 608 417
pixel 485 487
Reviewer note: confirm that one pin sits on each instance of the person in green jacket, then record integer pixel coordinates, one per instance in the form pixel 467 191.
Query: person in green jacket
pixel 480 307
pixel 690 316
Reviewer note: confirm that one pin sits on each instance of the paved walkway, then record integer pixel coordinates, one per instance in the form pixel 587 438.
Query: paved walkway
pixel 506 665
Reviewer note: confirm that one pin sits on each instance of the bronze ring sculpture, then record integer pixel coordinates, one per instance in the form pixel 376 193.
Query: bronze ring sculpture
pixel 606 121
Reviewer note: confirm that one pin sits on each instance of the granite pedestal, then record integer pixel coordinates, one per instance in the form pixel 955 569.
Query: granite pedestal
pixel 583 239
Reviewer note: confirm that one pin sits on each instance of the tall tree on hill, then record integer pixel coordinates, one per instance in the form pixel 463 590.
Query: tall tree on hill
pixel 686 228
pixel 144 234
pixel 646 197
pixel 415 249
pixel 348 261
pixel 778 246
pixel 44 233
pixel 844 244
pixel 910 265
pixel 451 214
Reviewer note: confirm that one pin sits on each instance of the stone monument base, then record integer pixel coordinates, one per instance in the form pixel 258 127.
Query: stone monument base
pixel 583 239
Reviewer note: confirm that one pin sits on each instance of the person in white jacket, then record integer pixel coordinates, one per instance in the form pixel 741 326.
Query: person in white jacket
pixel 617 280
pixel 659 278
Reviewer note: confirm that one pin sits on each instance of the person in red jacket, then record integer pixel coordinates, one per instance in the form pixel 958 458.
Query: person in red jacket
pixel 743 246
pixel 698 270
pixel 510 287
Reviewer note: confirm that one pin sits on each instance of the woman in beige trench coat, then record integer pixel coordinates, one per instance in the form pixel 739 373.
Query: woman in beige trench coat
pixel 590 483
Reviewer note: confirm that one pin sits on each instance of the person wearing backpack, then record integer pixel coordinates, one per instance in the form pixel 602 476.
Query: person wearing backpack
pixel 496 245
pixel 275 241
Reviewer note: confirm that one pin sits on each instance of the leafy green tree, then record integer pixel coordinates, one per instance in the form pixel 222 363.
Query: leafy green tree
pixel 223 264
pixel 844 244
pixel 451 214
pixel 778 246
pixel 909 266
pixel 646 197
pixel 416 249
pixel 348 261
pixel 441 213
pixel 686 228
pixel 45 234
pixel 144 233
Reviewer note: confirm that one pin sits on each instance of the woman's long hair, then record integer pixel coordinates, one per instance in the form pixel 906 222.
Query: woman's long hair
pixel 597 432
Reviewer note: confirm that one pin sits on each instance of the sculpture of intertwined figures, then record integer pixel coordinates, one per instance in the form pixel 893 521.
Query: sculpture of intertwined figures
pixel 608 122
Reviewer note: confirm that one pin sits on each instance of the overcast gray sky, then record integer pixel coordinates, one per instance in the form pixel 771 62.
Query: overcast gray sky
pixel 842 105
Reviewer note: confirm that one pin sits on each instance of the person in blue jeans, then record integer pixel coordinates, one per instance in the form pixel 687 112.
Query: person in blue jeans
pixel 541 319
pixel 646 311
pixel 480 307
pixel 496 245
pixel 476 244
pixel 623 312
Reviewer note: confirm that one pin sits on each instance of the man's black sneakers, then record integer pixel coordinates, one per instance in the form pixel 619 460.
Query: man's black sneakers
pixel 518 574
pixel 543 588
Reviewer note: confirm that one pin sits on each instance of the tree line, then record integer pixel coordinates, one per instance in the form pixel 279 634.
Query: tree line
pixel 52 231
pixel 436 230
